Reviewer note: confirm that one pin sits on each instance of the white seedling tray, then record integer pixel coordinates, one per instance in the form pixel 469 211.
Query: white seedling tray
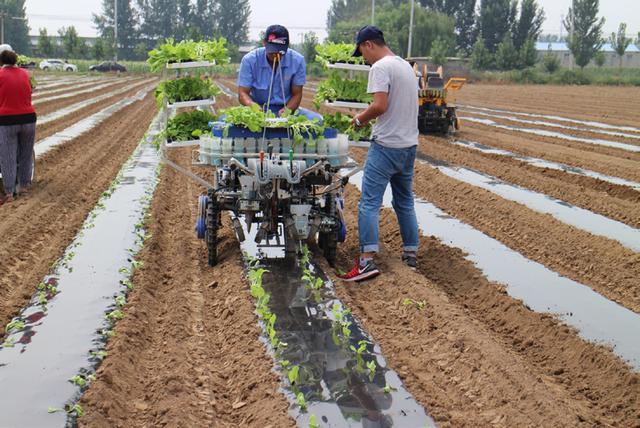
pixel 350 67
pixel 196 103
pixel 178 144
pixel 197 64
pixel 346 104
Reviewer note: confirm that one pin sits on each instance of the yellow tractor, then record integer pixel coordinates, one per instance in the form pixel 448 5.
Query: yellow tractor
pixel 437 114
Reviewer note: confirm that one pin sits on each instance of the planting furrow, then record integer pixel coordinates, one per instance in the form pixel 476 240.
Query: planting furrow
pixel 88 123
pixel 545 164
pixel 83 298
pixel 70 181
pixel 602 264
pixel 580 218
pixel 187 351
pixel 573 154
pixel 578 131
pixel 68 116
pixel 80 84
pixel 551 134
pixel 75 93
pixel 610 105
pixel 602 390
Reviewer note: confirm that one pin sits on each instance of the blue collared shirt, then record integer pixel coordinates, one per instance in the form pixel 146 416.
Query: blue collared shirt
pixel 255 74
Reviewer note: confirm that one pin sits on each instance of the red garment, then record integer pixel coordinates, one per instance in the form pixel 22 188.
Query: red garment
pixel 15 92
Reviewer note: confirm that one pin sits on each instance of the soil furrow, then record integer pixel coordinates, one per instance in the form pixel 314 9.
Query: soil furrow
pixel 600 263
pixel 566 187
pixel 37 229
pixel 567 154
pixel 187 352
pixel 620 106
pixel 51 106
pixel 46 130
pixel 596 386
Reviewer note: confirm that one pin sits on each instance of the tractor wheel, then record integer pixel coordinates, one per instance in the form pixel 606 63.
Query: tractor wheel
pixel 328 241
pixel 213 216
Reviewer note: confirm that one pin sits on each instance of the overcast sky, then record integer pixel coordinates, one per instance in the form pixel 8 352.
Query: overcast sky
pixel 301 15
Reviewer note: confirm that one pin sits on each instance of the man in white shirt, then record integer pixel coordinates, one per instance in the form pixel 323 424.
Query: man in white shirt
pixel 392 154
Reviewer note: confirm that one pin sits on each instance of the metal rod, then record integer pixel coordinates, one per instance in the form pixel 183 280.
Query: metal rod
pixel 115 28
pixel 410 30
pixel 373 12
pixel 2 15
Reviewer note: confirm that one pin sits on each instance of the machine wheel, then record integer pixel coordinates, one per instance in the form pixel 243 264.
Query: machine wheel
pixel 213 215
pixel 201 220
pixel 328 241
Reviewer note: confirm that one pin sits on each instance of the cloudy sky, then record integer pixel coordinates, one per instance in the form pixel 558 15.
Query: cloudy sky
pixel 302 15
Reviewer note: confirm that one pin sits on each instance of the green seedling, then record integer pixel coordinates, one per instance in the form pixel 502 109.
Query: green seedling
pixel 42 298
pixel 127 283
pixel 78 381
pixel 98 354
pixel 418 304
pixel 77 409
pixel 9 343
pixel 371 365
pixel 114 316
pixel 293 374
pixel 124 271
pixel 137 264
pixel 387 389
pixel 54 410
pixel 121 301
pixel 15 325
pixel 301 401
pixel 313 422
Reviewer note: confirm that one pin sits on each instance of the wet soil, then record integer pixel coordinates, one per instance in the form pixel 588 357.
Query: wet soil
pixel 608 104
pixel 48 129
pixel 187 352
pixel 617 202
pixel 38 228
pixel 477 356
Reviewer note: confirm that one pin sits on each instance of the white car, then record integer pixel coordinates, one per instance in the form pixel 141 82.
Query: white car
pixel 57 64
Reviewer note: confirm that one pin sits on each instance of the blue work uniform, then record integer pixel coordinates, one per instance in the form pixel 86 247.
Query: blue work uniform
pixel 256 74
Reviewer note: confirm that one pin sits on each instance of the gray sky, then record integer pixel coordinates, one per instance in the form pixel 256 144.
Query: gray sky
pixel 302 15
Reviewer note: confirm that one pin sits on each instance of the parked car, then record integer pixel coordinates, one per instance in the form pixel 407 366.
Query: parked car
pixel 57 64
pixel 108 66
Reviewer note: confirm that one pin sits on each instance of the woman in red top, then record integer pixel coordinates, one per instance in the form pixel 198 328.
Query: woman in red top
pixel 17 126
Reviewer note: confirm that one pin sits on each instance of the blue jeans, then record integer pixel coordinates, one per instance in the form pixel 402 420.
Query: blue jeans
pixel 384 166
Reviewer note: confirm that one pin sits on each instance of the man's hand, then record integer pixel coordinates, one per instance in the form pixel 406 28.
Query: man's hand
pixel 357 123
pixel 282 112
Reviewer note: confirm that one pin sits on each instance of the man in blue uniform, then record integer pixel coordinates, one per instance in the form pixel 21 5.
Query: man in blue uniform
pixel 274 75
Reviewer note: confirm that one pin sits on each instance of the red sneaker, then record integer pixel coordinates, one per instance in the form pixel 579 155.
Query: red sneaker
pixel 357 274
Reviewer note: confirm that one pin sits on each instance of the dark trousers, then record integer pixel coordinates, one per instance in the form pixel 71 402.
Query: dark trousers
pixel 16 155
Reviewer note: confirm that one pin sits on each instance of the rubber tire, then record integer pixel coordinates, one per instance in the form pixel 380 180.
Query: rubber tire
pixel 211 237
pixel 329 240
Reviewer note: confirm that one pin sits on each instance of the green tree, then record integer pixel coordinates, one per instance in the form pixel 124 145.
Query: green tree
pixel 310 41
pixel 158 18
pixel 232 20
pixel 497 18
pixel 506 54
pixel 127 25
pixel 97 51
pixel 550 61
pixel 466 29
pixel 16 25
pixel 203 17
pixel 70 41
pixel 620 42
pixel 528 54
pixel 529 23
pixel 184 20
pixel 440 50
pixel 585 30
pixel 481 57
pixel 341 11
pixel 600 58
pixel 45 45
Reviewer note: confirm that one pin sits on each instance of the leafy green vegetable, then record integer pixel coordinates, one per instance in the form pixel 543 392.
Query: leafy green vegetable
pixel 330 53
pixel 338 88
pixel 342 122
pixel 23 60
pixel 188 126
pixel 255 120
pixel 186 89
pixel 188 50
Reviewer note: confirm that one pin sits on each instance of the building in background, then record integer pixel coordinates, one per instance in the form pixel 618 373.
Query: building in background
pixel 631 58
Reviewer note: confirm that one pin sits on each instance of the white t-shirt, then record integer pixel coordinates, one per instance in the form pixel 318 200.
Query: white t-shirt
pixel 398 127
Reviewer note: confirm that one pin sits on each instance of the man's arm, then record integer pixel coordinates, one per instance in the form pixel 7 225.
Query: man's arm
pixel 376 109
pixel 296 97
pixel 244 96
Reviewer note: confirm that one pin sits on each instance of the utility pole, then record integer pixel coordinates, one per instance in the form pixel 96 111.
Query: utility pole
pixel 4 15
pixel 410 30
pixel 373 12
pixel 115 28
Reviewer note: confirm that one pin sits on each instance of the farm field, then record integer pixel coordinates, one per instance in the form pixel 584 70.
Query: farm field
pixel 528 281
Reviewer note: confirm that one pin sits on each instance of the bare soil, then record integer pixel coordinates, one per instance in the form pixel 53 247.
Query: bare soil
pixel 37 228
pixel 187 354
